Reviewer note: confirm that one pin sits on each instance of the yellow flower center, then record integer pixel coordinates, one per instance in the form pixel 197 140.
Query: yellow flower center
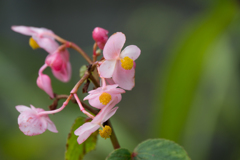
pixel 105 98
pixel 33 43
pixel 106 132
pixel 127 63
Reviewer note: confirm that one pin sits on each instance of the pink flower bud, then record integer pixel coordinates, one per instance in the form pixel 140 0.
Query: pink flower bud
pixel 54 61
pixel 100 36
pixel 44 83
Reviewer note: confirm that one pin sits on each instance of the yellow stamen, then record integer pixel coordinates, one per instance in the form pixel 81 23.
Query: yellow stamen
pixel 106 132
pixel 33 43
pixel 127 63
pixel 105 98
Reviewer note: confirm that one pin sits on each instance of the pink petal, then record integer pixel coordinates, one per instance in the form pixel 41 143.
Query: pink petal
pixel 31 124
pixel 104 111
pixel 131 51
pixel 23 30
pixel 44 82
pixel 95 102
pixel 92 95
pixel 50 125
pixel 110 87
pixel 85 131
pixel 64 74
pixel 48 44
pixel 124 78
pixel 22 108
pixel 113 46
pixel 107 68
pixel 110 114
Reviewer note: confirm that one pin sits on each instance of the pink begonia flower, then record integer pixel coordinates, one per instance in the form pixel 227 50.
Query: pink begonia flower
pixel 57 60
pixel 88 128
pixel 100 36
pixel 30 123
pixel 101 96
pixel 44 83
pixel 60 65
pixel 119 65
pixel 40 35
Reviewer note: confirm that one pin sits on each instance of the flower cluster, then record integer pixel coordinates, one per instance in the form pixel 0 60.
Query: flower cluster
pixel 116 70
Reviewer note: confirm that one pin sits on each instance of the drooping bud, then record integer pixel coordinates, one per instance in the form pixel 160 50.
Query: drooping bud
pixel 44 83
pixel 33 43
pixel 100 36
pixel 106 132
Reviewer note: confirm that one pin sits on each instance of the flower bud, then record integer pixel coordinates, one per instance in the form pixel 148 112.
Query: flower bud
pixel 44 83
pixel 100 36
pixel 55 61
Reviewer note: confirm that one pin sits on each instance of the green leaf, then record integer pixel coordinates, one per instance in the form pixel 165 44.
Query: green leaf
pixel 120 154
pixel 184 70
pixel 74 151
pixel 159 149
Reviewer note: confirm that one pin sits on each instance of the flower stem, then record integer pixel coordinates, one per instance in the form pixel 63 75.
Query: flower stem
pixel 81 107
pixel 74 46
pixel 59 109
pixel 113 137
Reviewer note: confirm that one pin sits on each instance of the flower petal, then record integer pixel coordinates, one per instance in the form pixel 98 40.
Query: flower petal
pixel 104 111
pixel 48 44
pixel 107 68
pixel 31 124
pixel 23 30
pixel 95 102
pixel 113 46
pixel 110 114
pixel 85 131
pixel 124 78
pixel 22 108
pixel 64 74
pixel 131 51
pixel 50 125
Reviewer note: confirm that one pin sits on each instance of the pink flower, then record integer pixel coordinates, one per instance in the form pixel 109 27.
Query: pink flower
pixel 88 128
pixel 100 36
pixel 119 65
pixel 101 96
pixel 30 123
pixel 57 60
pixel 44 82
pixel 40 35
pixel 60 65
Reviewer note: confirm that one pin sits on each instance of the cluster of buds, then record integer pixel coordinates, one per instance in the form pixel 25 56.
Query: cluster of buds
pixel 116 70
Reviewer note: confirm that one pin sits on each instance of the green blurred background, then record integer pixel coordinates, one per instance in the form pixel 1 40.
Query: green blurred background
pixel 187 77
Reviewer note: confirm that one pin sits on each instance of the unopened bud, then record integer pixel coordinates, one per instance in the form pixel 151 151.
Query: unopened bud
pixel 100 36
pixel 54 61
pixel 44 83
